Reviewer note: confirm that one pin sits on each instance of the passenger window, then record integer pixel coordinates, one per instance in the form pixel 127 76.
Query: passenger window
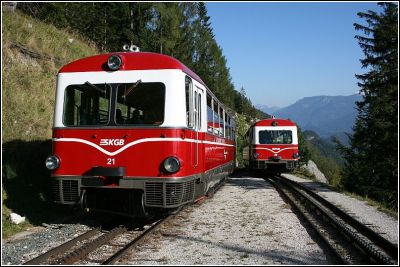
pixel 209 114
pixel 215 118
pixel 189 103
pixel 199 111
pixel 221 121
pixel 226 126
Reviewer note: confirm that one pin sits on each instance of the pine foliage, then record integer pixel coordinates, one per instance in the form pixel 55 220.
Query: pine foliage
pixel 179 29
pixel 371 167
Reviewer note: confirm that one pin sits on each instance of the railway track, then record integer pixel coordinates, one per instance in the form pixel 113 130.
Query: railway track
pixel 79 249
pixel 348 240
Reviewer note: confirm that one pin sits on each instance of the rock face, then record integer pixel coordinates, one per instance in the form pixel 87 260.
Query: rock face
pixel 312 167
pixel 16 219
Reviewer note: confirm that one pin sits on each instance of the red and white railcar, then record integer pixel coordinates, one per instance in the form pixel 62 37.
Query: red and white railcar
pixel 137 130
pixel 272 145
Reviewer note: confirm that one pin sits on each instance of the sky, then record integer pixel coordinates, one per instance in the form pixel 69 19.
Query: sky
pixel 280 52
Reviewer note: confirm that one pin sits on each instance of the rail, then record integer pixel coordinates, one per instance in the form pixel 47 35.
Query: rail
pixel 351 241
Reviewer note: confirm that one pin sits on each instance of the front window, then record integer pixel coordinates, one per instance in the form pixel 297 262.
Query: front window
pixel 140 104
pixel 93 104
pixel 275 137
pixel 87 104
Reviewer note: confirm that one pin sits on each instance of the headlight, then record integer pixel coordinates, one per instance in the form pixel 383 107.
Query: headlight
pixel 52 162
pixel 172 164
pixel 114 62
pixel 256 155
pixel 296 155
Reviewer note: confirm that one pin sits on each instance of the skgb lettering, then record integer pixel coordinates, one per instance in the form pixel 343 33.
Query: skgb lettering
pixel 112 142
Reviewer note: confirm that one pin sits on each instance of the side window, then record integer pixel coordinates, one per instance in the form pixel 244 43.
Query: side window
pixel 233 130
pixel 227 132
pixel 209 114
pixel 216 117
pixel 189 103
pixel 196 110
pixel 199 110
pixel 221 121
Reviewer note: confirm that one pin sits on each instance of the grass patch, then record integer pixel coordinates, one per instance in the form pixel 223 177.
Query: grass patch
pixel 304 173
pixel 379 206
pixel 29 83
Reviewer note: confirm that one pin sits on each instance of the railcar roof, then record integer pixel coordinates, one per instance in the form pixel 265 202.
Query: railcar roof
pixel 131 61
pixel 280 122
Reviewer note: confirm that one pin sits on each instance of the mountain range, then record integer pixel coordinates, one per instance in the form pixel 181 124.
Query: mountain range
pixel 326 115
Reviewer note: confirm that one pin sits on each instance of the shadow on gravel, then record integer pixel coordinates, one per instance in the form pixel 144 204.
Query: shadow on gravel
pixel 27 190
pixel 245 174
pixel 247 180
pixel 318 187
pixel 26 181
pixel 285 257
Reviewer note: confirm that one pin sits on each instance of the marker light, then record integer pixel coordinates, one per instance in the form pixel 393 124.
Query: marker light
pixel 114 62
pixel 172 164
pixel 52 162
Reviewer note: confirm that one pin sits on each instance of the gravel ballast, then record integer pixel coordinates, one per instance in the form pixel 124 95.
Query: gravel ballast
pixel 380 222
pixel 19 250
pixel 245 223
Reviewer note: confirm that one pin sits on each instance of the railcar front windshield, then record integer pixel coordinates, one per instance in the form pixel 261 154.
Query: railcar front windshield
pixel 114 104
pixel 275 137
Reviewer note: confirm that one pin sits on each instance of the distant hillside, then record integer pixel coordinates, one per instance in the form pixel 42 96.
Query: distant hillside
pixel 326 115
pixel 267 109
pixel 325 147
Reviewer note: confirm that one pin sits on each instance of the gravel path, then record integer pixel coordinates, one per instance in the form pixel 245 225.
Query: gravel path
pixel 246 222
pixel 379 221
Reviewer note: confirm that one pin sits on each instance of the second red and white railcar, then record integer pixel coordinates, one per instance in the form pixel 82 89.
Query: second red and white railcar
pixel 272 145
pixel 137 130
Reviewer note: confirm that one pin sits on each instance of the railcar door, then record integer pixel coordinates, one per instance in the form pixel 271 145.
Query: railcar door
pixel 198 92
pixel 194 97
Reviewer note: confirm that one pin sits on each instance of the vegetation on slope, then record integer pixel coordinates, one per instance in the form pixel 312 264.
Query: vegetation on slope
pixel 32 54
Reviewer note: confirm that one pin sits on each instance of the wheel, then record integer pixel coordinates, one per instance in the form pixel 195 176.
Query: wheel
pixel 139 208
pixel 210 193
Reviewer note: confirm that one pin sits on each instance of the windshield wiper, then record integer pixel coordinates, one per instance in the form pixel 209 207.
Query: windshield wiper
pixel 131 88
pixel 95 87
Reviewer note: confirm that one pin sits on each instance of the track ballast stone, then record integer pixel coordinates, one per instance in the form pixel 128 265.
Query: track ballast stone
pixel 246 222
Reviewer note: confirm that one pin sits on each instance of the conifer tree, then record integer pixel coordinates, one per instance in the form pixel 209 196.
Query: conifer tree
pixel 371 167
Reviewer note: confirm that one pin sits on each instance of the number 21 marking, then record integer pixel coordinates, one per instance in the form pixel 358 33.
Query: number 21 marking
pixel 110 161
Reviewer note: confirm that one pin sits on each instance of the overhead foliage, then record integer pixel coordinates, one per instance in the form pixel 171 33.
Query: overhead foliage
pixel 179 29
